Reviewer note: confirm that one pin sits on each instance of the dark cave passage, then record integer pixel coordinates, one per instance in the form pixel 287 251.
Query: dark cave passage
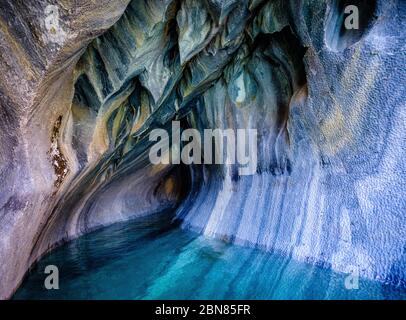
pixel 337 36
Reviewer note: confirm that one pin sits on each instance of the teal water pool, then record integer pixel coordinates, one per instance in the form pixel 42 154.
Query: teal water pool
pixel 150 258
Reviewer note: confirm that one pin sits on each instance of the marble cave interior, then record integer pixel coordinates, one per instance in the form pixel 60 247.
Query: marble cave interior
pixel 321 213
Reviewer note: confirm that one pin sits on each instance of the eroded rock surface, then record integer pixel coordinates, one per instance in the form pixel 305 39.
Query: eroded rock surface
pixel 78 103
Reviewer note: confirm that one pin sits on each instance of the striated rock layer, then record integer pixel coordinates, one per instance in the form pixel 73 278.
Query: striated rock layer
pixel 83 85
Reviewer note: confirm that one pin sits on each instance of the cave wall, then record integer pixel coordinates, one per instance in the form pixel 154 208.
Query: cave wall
pixel 332 191
pixel 78 103
pixel 37 60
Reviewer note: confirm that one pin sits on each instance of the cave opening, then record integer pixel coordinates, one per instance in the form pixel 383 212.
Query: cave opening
pixel 133 79
pixel 338 36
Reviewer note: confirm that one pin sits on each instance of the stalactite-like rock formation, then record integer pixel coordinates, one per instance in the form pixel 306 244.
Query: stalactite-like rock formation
pixel 82 86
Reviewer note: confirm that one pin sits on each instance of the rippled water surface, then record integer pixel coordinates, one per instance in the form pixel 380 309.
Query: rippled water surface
pixel 149 258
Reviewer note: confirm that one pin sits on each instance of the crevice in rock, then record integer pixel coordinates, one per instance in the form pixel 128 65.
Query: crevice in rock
pixel 59 161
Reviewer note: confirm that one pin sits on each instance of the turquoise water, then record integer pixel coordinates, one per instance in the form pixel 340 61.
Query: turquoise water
pixel 150 258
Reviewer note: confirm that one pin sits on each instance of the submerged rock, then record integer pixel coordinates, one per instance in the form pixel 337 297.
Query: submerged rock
pixel 83 86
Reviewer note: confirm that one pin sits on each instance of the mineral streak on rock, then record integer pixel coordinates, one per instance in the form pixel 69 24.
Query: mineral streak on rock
pixel 58 160
pixel 95 77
